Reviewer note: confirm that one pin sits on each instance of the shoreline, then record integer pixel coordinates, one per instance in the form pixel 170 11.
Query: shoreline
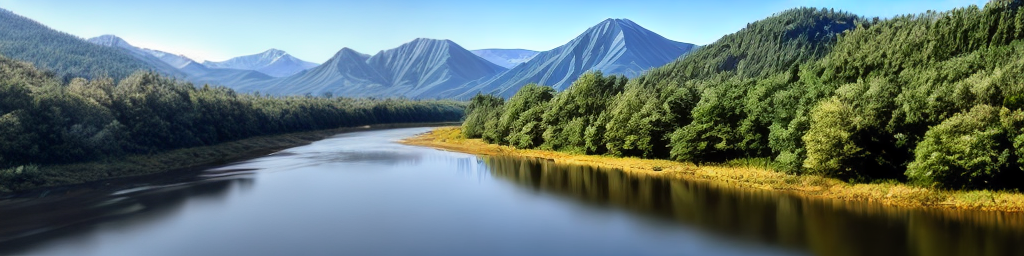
pixel 748 177
pixel 169 164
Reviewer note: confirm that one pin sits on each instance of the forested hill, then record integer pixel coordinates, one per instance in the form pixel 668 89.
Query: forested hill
pixel 934 99
pixel 66 55
pixel 46 121
pixel 768 46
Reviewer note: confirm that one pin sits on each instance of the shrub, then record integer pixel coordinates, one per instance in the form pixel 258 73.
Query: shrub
pixel 968 150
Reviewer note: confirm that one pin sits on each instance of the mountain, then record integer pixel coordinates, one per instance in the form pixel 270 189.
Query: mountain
pixel 66 55
pixel 419 69
pixel 273 62
pixel 507 58
pixel 344 74
pixel 183 67
pixel 175 60
pixel 162 65
pixel 201 74
pixel 615 46
pixel 427 66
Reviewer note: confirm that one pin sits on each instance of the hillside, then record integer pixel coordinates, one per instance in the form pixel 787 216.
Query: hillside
pixel 146 55
pixel 66 55
pixel 932 99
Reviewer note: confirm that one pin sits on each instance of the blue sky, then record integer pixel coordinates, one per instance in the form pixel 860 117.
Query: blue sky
pixel 315 29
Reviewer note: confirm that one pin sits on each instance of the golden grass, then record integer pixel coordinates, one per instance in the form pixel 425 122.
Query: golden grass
pixel 890 193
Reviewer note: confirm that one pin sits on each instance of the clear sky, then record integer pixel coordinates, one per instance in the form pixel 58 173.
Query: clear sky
pixel 314 30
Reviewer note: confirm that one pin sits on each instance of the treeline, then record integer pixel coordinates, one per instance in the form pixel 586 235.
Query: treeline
pixel 66 55
pixel 934 99
pixel 46 121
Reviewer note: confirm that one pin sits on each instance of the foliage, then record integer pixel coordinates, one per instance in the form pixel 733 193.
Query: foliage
pixel 826 92
pixel 829 141
pixel 576 110
pixel 520 122
pixel 45 121
pixel 481 108
pixel 66 55
pixel 970 149
pixel 19 178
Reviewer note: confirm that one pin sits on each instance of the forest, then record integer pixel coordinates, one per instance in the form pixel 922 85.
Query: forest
pixel 45 121
pixel 65 55
pixel 932 99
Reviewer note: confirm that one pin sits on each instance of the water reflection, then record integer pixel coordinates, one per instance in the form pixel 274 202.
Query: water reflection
pixel 362 194
pixel 73 211
pixel 823 227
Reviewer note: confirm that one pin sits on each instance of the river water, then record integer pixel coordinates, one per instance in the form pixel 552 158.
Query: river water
pixel 362 193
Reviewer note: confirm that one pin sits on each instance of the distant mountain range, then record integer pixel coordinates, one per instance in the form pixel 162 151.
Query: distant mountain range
pixel 423 68
pixel 273 62
pixel 426 68
pixel 166 63
pixel 507 58
pixel 183 67
pixel 416 69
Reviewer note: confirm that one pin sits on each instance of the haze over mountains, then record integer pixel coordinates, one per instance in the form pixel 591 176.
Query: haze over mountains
pixel 422 68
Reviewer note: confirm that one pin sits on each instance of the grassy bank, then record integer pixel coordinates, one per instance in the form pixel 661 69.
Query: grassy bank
pixel 31 179
pixel 748 176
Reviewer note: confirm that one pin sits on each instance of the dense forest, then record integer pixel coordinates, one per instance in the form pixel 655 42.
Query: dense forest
pixel 44 120
pixel 933 99
pixel 66 55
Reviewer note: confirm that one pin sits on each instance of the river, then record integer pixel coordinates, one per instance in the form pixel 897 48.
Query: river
pixel 362 193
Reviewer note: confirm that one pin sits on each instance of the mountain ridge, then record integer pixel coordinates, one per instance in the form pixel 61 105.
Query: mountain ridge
pixel 273 62
pixel 614 46
pixel 414 69
pixel 180 66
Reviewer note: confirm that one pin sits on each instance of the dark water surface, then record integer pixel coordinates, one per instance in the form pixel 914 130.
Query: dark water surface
pixel 362 194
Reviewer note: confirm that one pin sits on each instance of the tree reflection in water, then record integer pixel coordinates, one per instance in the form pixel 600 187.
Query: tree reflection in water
pixel 823 227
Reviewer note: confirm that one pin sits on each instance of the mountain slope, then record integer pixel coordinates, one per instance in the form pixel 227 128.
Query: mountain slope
pixel 200 74
pixel 344 74
pixel 615 46
pixel 175 60
pixel 159 64
pixel 425 67
pixel 67 55
pixel 183 67
pixel 418 69
pixel 272 62
pixel 507 58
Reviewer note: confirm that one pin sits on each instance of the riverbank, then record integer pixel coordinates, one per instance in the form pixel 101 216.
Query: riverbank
pixel 890 193
pixel 39 179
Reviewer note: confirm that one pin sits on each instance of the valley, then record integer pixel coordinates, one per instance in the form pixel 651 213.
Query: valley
pixel 744 128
